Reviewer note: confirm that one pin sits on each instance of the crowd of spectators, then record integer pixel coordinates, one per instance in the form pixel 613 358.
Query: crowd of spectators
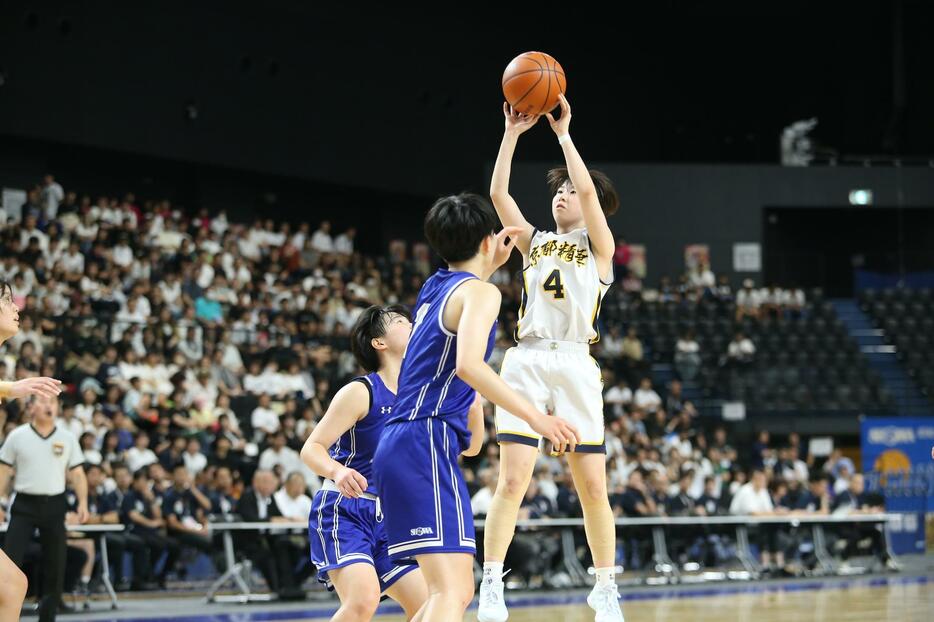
pixel 198 353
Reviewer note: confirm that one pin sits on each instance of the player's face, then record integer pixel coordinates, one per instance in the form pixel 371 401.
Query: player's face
pixel 566 206
pixel 9 316
pixel 398 331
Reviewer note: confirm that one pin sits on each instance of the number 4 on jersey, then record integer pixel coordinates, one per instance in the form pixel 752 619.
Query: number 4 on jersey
pixel 553 284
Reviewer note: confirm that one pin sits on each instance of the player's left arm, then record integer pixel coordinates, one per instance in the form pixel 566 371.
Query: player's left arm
pixel 601 238
pixel 475 425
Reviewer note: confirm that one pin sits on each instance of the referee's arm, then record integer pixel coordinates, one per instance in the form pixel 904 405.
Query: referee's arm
pixel 6 471
pixel 79 483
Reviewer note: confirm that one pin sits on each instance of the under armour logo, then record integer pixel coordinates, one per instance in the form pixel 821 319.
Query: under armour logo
pixel 385 410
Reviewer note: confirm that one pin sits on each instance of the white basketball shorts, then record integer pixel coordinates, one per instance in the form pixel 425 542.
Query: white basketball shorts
pixel 560 378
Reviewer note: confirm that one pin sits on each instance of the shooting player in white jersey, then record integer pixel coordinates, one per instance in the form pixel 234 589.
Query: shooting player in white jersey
pixel 566 274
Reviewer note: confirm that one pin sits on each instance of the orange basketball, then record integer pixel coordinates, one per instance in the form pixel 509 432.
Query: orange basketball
pixel 532 82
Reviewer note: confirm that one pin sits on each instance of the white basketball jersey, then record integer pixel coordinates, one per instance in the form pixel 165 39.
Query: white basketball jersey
pixel 561 289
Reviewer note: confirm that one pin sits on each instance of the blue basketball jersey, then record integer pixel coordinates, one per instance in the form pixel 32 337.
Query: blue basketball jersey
pixel 428 386
pixel 355 448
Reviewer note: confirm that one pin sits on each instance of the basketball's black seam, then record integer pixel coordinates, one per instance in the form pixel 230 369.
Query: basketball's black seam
pixel 548 92
pixel 541 108
pixel 531 88
pixel 522 73
pixel 532 58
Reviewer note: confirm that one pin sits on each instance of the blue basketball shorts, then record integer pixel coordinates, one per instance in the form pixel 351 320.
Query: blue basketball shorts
pixel 344 531
pixel 425 500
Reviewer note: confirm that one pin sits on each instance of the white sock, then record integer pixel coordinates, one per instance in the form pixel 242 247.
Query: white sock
pixel 605 576
pixel 85 579
pixel 493 569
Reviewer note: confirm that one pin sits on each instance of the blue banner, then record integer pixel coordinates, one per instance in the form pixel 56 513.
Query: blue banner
pixel 896 453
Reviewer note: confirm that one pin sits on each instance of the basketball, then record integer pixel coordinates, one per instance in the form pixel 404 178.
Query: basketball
pixel 532 82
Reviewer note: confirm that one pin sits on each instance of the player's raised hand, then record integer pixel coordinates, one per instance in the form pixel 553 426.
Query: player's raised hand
pixel 350 483
pixel 562 124
pixel 518 122
pixel 43 387
pixel 505 242
pixel 563 435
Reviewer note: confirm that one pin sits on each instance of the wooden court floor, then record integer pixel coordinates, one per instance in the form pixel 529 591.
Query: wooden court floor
pixel 900 602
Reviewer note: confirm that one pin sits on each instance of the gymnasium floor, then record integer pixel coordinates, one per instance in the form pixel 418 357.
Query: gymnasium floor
pixel 903 597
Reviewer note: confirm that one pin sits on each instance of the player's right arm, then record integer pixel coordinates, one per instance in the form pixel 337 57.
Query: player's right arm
pixel 476 305
pixel 506 207
pixel 349 406
pixel 45 387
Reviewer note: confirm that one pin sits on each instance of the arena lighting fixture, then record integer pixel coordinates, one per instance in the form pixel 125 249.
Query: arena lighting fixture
pixel 861 196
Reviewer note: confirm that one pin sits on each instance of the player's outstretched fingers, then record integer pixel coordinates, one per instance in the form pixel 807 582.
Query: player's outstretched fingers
pixel 557 442
pixel 574 437
pixel 49 387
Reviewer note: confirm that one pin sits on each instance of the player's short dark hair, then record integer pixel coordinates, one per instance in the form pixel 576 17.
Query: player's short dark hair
pixel 370 325
pixel 6 291
pixel 606 192
pixel 456 225
pixel 141 473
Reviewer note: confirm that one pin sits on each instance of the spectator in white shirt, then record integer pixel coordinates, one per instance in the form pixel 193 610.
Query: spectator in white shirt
pixel 85 410
pixel 741 350
pixel 292 498
pixel 171 289
pixel 249 246
pixel 191 346
pixel 753 499
pixel 219 224
pixel 618 397
pixel 70 422
pixel 87 230
pixel 264 420
pixel 646 398
pixel 129 315
pixel 483 498
pixel 73 261
pixel 253 380
pixel 140 454
pixel 343 244
pixel 842 482
pixel 793 301
pixel 194 460
pixel 122 253
pixel 297 382
pixel 52 195
pixel 789 467
pixel 133 397
pixel 204 272
pixel 30 231
pixel 321 241
pixel 771 299
pixel 748 301
pixel 612 343
pixel 279 456
pixel 702 277
pixel 300 236
pixel 687 356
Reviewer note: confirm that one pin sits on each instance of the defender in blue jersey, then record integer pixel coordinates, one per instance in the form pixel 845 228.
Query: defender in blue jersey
pixel 427 507
pixel 346 528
